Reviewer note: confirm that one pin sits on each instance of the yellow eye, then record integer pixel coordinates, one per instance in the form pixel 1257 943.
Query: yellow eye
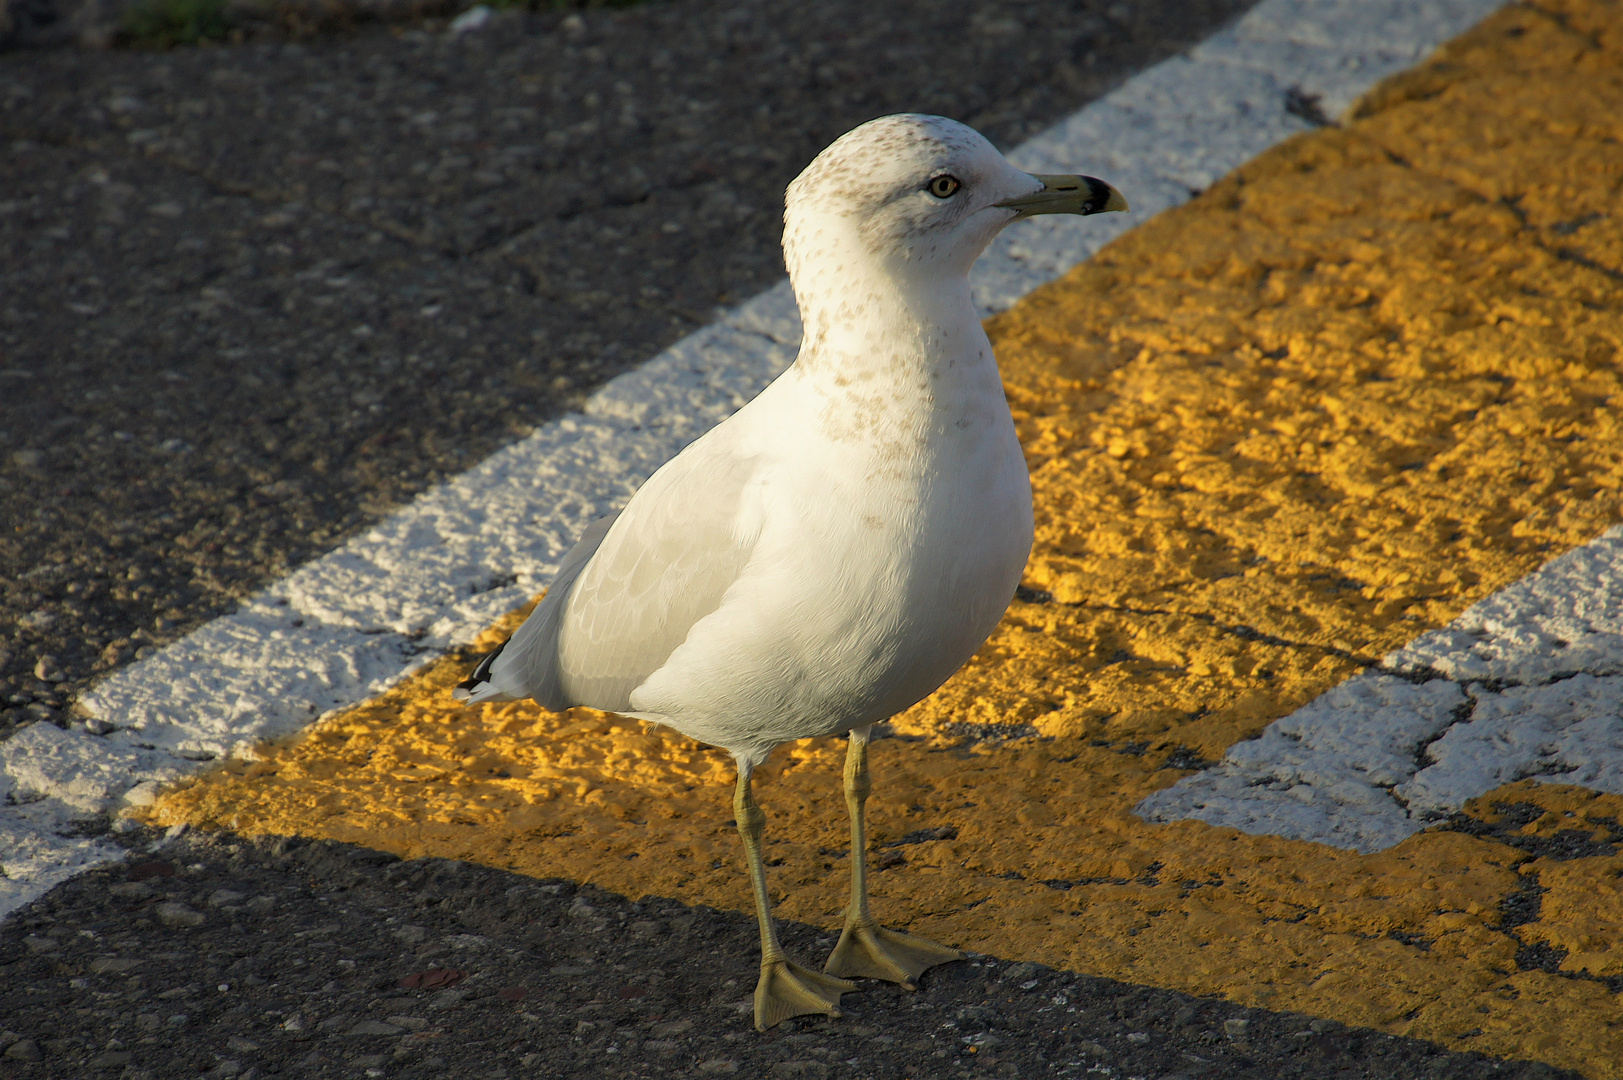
pixel 942 187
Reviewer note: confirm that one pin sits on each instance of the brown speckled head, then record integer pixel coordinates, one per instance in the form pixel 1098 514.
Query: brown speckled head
pixel 882 160
pixel 899 190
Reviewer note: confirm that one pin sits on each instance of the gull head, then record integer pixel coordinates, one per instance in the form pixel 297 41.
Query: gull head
pixel 916 197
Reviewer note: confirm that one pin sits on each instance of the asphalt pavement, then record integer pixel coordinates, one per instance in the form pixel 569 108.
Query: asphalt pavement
pixel 244 959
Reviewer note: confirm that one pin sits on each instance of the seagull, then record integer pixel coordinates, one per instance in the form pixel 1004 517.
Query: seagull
pixel 831 553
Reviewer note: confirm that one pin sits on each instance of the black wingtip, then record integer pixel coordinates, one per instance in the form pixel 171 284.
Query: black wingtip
pixel 481 670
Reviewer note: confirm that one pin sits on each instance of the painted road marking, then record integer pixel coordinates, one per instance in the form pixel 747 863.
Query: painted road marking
pixel 353 623
pixel 1527 683
pixel 1369 380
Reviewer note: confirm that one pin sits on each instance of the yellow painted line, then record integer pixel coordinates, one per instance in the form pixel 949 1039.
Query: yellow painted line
pixel 1370 378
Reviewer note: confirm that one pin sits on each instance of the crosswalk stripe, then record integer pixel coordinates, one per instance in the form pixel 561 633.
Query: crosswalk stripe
pixel 1527 683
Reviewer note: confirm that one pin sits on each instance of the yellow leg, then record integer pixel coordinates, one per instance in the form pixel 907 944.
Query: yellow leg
pixel 785 989
pixel 866 949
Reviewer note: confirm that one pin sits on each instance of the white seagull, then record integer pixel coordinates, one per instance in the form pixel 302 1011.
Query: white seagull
pixel 836 549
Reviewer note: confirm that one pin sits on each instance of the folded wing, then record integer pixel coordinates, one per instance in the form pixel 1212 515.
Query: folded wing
pixel 667 563
pixel 526 664
pixel 628 592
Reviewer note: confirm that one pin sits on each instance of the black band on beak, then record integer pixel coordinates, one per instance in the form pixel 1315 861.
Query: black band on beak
pixel 1099 194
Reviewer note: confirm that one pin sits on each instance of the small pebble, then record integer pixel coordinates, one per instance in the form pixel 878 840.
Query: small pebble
pixel 178 915
pixel 375 1027
pixel 113 965
pixel 1020 973
pixel 472 19
pixel 671 1028
pixel 410 1023
pixel 800 1070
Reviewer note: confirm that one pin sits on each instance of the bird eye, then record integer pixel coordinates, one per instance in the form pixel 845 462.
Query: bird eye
pixel 942 187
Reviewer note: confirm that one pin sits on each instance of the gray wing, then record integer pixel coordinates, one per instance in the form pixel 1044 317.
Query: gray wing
pixel 669 559
pixel 526 664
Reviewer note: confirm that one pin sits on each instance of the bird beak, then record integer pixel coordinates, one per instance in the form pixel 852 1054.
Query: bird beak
pixel 1067 195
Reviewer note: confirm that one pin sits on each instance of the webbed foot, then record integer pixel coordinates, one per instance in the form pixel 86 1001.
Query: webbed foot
pixel 786 989
pixel 872 952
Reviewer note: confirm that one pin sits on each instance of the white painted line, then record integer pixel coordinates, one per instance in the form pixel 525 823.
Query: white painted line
pixel 354 622
pixel 1527 683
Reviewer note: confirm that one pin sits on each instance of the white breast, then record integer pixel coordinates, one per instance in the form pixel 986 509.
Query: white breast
pixel 892 517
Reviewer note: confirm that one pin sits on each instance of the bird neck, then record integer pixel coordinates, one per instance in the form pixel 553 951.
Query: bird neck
pixel 864 324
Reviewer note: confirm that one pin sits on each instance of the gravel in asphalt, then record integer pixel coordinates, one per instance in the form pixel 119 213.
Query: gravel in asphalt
pixel 252 298
pixel 230 957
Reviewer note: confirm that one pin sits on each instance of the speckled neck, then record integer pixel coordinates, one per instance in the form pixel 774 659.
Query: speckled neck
pixel 867 316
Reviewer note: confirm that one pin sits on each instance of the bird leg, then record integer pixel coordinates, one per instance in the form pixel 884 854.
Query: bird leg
pixel 867 949
pixel 785 989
